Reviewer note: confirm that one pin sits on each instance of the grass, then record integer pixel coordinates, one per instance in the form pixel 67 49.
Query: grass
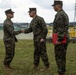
pixel 23 60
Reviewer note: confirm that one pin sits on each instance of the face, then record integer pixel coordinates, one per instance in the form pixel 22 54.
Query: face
pixel 56 7
pixel 10 15
pixel 32 13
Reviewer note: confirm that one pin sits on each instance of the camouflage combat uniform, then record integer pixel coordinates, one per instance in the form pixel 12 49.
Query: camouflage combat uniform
pixel 39 29
pixel 9 40
pixel 61 25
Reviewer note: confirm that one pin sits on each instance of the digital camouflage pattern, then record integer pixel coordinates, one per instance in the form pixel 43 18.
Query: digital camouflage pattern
pixel 60 57
pixel 40 51
pixel 9 40
pixel 61 25
pixel 39 29
pixel 9 33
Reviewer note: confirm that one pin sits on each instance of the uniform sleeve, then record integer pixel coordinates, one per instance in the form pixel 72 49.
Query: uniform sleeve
pixel 29 29
pixel 62 26
pixel 44 28
pixel 11 30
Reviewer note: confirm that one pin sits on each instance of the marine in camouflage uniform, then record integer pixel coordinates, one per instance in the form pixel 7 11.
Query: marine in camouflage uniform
pixel 9 39
pixel 61 25
pixel 39 29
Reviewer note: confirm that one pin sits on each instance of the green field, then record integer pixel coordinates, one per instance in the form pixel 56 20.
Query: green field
pixel 23 60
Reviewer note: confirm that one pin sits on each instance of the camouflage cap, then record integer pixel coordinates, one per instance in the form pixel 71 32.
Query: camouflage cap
pixel 9 11
pixel 57 2
pixel 32 9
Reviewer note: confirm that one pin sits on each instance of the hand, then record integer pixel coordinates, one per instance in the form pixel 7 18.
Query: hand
pixel 22 31
pixel 58 42
pixel 42 40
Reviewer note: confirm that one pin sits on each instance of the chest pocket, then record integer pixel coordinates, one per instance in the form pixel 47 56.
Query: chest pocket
pixel 36 25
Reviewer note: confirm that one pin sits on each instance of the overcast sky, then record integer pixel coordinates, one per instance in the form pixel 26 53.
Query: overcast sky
pixel 44 9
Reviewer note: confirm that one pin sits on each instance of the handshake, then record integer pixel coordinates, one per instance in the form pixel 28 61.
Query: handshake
pixel 22 30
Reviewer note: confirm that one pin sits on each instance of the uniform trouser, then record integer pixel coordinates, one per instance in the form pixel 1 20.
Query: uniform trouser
pixel 9 52
pixel 40 51
pixel 60 56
